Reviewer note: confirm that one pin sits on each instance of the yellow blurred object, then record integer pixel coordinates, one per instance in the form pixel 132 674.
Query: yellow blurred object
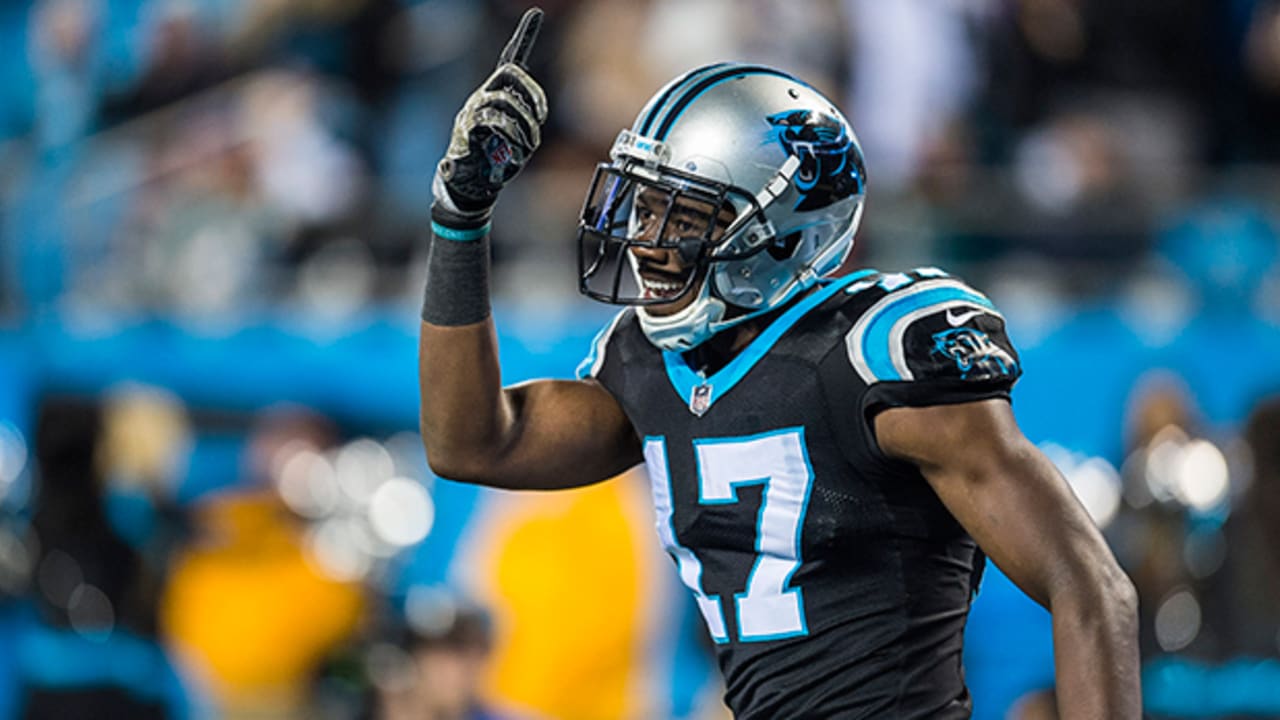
pixel 576 584
pixel 252 611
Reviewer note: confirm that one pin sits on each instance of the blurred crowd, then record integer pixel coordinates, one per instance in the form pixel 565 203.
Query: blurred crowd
pixel 275 597
pixel 212 157
pixel 216 162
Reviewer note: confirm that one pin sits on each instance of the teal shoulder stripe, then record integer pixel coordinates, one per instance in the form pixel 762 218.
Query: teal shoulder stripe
pixel 875 343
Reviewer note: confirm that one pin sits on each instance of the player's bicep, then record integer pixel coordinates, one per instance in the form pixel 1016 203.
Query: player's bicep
pixel 565 433
pixel 1001 488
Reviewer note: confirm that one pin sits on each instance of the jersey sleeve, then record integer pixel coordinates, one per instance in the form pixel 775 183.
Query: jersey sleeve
pixel 602 362
pixel 933 341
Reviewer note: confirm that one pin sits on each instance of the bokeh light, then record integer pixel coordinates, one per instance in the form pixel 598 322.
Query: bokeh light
pixel 401 512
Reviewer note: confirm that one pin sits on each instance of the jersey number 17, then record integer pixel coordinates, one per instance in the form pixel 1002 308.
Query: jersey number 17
pixel 770 609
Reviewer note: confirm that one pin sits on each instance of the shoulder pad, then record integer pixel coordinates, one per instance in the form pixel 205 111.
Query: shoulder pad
pixel 929 325
pixel 882 283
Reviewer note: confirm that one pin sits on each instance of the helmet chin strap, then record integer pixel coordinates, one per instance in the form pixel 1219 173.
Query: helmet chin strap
pixel 704 317
pixel 686 328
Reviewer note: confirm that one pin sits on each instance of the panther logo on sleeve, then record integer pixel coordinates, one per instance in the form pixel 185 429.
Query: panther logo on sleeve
pixel 973 352
pixel 928 326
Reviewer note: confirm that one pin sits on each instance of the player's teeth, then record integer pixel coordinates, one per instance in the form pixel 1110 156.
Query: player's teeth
pixel 658 287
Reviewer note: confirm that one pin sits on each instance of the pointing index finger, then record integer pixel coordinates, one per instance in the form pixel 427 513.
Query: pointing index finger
pixel 521 42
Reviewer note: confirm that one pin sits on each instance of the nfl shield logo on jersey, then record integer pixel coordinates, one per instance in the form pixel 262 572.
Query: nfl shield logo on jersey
pixel 700 400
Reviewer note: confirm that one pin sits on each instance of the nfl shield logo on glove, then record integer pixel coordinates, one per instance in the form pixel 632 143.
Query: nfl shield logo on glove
pixel 500 156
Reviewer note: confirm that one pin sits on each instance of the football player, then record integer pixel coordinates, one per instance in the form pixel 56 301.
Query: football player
pixel 830 458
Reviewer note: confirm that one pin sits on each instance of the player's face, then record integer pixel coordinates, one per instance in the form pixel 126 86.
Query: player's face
pixel 665 271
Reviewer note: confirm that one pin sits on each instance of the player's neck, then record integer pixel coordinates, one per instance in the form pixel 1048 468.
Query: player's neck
pixel 740 336
pixel 717 351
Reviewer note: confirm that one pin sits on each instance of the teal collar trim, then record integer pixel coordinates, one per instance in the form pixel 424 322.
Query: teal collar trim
pixel 701 393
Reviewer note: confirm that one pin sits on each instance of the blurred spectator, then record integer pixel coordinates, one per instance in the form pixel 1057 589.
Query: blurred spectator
pixel 195 238
pixel 597 88
pixel 89 647
pixel 1047 52
pixel 1079 194
pixel 312 184
pixel 903 101
pixel 1255 105
pixel 180 55
pixel 1246 594
pixel 1216 623
pixel 1150 533
pixel 252 610
pixel 142 455
pixel 430 664
pixel 64 56
pixel 300 167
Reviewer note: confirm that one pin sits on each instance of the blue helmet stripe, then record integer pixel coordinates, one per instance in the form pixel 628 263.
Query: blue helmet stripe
pixel 645 123
pixel 687 98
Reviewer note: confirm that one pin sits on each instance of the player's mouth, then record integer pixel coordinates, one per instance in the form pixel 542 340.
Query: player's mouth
pixel 663 286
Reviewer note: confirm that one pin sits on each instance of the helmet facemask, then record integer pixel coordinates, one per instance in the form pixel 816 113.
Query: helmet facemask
pixel 770 172
pixel 629 209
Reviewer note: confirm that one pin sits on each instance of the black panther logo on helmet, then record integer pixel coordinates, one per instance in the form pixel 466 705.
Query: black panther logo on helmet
pixel 830 164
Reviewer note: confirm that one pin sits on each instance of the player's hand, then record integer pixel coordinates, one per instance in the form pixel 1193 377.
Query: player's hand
pixel 496 131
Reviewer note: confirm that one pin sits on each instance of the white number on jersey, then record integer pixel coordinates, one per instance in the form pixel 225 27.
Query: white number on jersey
pixel 769 609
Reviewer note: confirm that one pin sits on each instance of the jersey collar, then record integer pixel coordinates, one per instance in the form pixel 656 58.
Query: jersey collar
pixel 701 392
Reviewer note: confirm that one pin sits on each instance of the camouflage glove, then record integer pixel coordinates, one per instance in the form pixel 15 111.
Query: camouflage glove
pixel 493 136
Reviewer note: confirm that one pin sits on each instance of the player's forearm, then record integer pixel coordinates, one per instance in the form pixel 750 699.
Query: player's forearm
pixel 1095 632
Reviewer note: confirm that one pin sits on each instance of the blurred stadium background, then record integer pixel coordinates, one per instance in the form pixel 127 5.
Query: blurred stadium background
pixel 213 501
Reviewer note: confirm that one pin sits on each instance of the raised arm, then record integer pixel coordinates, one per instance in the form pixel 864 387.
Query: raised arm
pixel 1022 513
pixel 539 435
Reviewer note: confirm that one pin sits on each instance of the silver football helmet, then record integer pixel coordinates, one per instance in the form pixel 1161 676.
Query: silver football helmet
pixel 750 174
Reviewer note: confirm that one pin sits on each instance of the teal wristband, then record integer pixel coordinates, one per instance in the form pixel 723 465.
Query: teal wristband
pixel 468 235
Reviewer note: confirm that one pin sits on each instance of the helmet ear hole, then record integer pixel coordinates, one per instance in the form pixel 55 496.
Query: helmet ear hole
pixel 784 247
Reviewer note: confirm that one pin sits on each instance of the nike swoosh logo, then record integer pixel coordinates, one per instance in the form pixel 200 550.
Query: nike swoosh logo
pixel 962 318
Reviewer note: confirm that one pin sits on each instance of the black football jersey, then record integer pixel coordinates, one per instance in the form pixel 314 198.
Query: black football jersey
pixel 833 581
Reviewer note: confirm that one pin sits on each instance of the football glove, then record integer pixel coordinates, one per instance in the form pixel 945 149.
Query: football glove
pixel 495 133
